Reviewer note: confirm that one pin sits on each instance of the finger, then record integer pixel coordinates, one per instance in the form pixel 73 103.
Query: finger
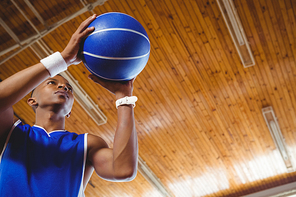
pixel 91 76
pixel 86 23
pixel 87 31
pixel 90 19
pixel 95 78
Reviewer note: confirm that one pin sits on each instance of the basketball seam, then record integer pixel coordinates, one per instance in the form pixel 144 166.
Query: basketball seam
pixel 106 77
pixel 115 58
pixel 120 29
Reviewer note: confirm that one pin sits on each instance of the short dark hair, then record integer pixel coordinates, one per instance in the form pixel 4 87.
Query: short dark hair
pixel 32 92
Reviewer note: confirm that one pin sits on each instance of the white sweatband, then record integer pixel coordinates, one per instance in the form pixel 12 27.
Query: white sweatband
pixel 128 100
pixel 54 63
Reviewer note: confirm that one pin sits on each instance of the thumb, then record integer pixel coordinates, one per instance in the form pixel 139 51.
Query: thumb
pixel 95 78
pixel 91 76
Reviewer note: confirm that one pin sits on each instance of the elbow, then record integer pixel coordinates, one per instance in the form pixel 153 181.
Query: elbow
pixel 132 175
pixel 126 175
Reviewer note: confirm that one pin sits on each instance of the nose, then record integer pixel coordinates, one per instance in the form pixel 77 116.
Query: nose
pixel 63 86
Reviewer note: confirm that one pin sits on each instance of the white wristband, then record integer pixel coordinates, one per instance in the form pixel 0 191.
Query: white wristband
pixel 54 63
pixel 128 100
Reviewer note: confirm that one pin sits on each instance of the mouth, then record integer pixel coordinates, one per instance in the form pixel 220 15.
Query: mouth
pixel 64 93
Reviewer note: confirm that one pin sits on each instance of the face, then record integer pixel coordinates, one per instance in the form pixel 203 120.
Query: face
pixel 54 94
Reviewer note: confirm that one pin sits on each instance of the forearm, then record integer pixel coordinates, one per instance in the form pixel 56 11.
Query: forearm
pixel 119 163
pixel 20 84
pixel 125 148
pixel 14 88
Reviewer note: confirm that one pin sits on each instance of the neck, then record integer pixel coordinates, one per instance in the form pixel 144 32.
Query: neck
pixel 50 121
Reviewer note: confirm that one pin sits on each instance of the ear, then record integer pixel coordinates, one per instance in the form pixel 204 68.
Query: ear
pixel 68 115
pixel 32 102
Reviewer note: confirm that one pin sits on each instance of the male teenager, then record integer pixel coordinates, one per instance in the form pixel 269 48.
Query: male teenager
pixel 45 160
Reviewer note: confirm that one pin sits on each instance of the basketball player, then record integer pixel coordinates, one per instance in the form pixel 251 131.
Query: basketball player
pixel 45 160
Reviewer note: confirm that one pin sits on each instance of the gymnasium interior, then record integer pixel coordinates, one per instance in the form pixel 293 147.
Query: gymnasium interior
pixel 216 109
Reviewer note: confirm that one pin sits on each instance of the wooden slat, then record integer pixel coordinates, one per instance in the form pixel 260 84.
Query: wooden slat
pixel 199 120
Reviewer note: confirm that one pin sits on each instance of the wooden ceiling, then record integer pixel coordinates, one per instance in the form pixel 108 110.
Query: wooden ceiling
pixel 199 121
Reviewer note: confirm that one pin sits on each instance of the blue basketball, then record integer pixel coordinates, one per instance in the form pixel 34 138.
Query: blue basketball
pixel 118 49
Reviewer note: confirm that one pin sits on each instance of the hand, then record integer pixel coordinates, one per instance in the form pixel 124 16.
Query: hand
pixel 70 53
pixel 119 88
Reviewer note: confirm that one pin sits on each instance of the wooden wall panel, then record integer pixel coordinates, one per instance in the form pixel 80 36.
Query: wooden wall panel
pixel 199 119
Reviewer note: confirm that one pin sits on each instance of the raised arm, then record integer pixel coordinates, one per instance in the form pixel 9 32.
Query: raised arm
pixel 16 87
pixel 12 90
pixel 119 163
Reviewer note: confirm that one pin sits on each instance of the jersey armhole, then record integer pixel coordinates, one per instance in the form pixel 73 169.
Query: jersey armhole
pixel 81 189
pixel 8 137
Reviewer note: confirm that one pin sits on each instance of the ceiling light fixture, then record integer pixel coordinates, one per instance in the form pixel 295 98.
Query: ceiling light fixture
pixel 237 33
pixel 277 136
pixel 148 174
pixel 233 19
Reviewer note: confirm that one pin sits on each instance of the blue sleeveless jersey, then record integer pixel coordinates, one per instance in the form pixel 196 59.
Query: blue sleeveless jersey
pixel 35 163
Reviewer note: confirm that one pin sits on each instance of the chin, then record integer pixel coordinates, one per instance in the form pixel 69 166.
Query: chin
pixel 62 107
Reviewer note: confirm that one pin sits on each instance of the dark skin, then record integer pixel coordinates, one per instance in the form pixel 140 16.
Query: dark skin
pixel 52 101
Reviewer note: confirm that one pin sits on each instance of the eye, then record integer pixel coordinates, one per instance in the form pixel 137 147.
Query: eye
pixel 70 88
pixel 51 82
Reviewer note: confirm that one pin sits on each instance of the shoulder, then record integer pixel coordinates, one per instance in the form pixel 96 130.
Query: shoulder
pixel 18 128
